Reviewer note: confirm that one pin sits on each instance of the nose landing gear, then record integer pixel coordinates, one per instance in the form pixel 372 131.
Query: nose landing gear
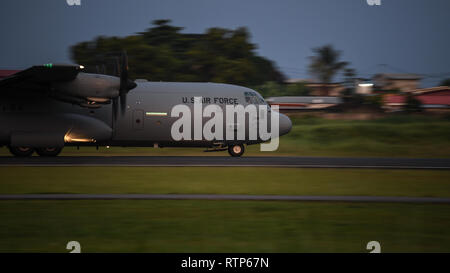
pixel 236 150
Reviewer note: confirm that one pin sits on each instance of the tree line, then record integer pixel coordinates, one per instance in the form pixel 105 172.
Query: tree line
pixel 163 53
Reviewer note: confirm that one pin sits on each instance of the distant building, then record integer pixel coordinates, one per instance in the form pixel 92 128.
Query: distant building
pixel 363 86
pixel 326 90
pixel 304 103
pixel 290 81
pixel 434 98
pixel 320 89
pixel 402 82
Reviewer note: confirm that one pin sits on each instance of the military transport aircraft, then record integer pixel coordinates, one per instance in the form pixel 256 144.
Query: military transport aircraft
pixel 47 107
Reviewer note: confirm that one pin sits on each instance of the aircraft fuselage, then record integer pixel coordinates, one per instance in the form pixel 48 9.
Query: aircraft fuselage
pixel 37 121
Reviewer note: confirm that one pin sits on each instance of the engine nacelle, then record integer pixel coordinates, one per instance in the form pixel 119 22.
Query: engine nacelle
pixel 48 130
pixel 92 87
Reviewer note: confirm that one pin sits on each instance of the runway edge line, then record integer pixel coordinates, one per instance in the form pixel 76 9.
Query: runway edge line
pixel 231 197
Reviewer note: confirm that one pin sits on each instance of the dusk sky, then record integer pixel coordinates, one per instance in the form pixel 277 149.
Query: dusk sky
pixel 406 35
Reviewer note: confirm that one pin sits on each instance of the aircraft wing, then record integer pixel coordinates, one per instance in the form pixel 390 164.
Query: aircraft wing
pixel 41 75
pixel 65 83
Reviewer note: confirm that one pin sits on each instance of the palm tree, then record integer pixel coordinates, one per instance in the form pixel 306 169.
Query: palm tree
pixel 325 64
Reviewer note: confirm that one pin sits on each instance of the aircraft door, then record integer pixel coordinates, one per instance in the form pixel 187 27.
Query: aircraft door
pixel 138 119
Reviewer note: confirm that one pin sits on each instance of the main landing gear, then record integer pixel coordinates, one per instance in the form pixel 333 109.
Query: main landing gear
pixel 21 151
pixel 28 151
pixel 48 151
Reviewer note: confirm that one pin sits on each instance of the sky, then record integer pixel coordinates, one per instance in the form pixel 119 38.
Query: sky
pixel 398 36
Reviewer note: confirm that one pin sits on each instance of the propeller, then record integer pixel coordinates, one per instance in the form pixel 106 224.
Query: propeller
pixel 125 86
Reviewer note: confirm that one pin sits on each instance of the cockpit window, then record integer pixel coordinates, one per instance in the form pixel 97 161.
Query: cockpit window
pixel 254 98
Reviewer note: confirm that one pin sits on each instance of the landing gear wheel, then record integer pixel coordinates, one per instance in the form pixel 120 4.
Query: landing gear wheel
pixel 21 151
pixel 236 150
pixel 48 151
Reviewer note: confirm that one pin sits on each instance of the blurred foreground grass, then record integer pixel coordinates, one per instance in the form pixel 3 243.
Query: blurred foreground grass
pixel 229 180
pixel 221 226
pixel 395 136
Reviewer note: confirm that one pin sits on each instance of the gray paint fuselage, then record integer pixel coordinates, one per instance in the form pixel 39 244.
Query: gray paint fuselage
pixel 43 116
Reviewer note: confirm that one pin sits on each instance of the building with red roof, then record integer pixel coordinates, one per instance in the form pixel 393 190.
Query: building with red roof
pixel 430 98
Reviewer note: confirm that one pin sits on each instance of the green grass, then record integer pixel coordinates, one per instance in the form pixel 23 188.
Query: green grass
pixel 395 136
pixel 402 136
pixel 221 226
pixel 230 180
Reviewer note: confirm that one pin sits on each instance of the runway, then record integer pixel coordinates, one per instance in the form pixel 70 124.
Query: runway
pixel 226 161
pixel 307 198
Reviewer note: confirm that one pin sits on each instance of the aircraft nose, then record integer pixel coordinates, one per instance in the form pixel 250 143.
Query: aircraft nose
pixel 285 124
